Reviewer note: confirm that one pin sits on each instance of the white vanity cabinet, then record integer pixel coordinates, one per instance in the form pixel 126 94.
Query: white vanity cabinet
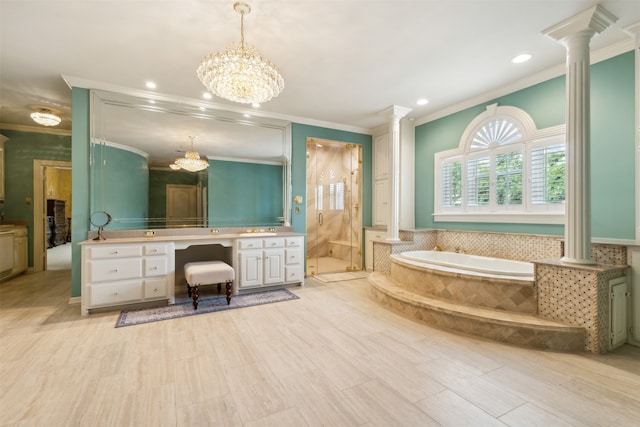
pixel 121 273
pixel 268 261
pixel 293 259
pixel 13 251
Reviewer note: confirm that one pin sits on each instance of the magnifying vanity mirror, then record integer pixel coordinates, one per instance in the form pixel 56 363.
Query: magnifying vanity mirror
pixel 100 219
pixel 135 139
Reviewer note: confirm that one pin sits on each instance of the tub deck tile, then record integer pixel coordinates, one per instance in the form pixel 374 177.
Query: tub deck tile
pixel 513 327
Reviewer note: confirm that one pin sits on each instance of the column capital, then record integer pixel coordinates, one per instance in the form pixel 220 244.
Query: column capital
pixel 396 111
pixel 596 19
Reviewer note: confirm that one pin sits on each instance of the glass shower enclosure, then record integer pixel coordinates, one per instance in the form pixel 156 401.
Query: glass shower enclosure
pixel 334 206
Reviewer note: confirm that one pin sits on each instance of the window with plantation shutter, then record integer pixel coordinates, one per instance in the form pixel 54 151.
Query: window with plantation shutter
pixel 478 180
pixel 505 170
pixel 452 185
pixel 548 174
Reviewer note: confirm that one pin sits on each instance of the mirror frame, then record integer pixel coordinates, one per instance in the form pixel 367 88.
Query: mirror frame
pixel 185 107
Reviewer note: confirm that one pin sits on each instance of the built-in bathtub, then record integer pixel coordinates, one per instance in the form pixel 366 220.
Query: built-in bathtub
pixel 467 279
pixel 471 264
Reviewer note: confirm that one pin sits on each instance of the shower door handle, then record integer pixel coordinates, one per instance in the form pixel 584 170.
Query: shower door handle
pixel 320 219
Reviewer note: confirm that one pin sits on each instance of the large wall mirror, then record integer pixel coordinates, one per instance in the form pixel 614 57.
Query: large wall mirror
pixel 135 139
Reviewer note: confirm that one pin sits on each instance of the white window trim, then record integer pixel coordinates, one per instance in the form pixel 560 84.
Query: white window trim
pixel 531 138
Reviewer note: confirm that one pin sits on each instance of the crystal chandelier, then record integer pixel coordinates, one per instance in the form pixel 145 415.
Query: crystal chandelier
pixel 191 161
pixel 45 117
pixel 240 74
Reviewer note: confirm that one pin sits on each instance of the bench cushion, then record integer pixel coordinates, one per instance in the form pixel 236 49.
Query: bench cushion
pixel 208 273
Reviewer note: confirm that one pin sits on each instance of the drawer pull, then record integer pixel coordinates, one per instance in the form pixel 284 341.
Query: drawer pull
pixel 115 270
pixel 154 268
pixel 115 294
pixel 250 246
pixel 115 252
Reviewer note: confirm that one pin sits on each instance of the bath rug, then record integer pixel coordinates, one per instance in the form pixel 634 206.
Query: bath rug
pixel 205 305
pixel 340 277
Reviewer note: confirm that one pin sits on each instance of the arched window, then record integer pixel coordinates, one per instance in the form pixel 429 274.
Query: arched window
pixel 505 170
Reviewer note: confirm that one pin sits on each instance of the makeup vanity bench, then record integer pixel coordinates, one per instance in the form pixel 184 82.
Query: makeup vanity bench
pixel 137 266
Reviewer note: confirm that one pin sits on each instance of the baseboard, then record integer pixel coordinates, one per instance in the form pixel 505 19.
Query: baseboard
pixel 75 300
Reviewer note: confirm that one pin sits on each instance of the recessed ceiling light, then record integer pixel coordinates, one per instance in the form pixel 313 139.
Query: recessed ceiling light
pixel 255 105
pixel 207 95
pixel 152 101
pixel 203 109
pixel 523 57
pixel 422 101
pixel 150 85
pixel 246 116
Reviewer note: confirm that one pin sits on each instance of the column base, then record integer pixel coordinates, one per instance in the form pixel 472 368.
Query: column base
pixel 578 261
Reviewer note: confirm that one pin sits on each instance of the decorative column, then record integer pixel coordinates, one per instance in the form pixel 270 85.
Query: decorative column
pixel 396 113
pixel 575 34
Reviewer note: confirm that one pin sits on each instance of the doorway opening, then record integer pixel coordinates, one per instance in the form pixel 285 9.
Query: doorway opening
pixel 51 215
pixel 334 207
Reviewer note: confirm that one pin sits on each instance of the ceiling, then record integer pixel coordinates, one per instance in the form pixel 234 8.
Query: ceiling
pixel 343 62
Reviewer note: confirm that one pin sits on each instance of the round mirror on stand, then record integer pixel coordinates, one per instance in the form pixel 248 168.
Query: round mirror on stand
pixel 100 219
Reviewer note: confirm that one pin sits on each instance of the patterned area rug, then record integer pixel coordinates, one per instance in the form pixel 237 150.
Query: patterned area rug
pixel 205 305
pixel 340 277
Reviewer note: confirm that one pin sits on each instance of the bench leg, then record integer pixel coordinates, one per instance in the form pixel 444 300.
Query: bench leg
pixel 219 287
pixel 189 290
pixel 194 292
pixel 228 293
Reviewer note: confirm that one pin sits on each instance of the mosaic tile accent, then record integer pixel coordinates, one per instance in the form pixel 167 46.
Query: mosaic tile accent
pixel 517 247
pixel 579 296
pixel 382 257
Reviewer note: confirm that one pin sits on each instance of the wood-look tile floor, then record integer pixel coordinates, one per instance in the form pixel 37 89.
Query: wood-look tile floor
pixel 334 357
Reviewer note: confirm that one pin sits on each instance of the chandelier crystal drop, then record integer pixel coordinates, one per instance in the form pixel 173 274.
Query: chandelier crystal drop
pixel 46 118
pixel 191 161
pixel 240 74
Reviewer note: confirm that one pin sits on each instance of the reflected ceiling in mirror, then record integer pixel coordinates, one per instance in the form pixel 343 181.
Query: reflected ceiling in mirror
pixel 161 128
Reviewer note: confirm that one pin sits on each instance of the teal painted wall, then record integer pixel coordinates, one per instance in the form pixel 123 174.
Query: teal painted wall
pixel 120 187
pixel 299 135
pixel 79 181
pixel 613 164
pixel 238 188
pixel 613 148
pixel 21 150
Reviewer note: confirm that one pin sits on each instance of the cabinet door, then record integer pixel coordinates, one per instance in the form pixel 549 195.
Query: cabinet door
pixel 250 268
pixel 6 249
pixel 381 202
pixel 273 266
pixel 20 254
pixel 381 157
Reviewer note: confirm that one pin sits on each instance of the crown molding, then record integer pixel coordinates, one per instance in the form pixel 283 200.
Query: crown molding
pixel 548 74
pixel 35 129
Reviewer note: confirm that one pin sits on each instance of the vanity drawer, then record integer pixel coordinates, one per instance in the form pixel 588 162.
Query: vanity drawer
pixel 156 249
pixel 292 256
pixel 111 270
pixel 112 251
pixel 116 293
pixel 291 242
pixel 155 288
pixel 155 266
pixel 274 243
pixel 293 273
pixel 250 243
